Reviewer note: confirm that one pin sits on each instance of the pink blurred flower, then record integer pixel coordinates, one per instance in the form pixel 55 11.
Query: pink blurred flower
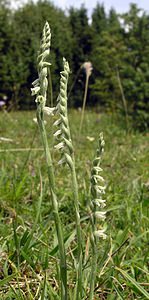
pixel 88 68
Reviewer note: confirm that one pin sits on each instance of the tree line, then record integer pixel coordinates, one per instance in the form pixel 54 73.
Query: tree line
pixel 116 45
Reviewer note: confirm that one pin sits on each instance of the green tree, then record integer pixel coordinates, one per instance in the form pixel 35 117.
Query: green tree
pixel 28 21
pixel 136 72
pixel 5 35
pixel 113 22
pixel 81 49
pixel 20 32
pixel 99 19
pixel 107 55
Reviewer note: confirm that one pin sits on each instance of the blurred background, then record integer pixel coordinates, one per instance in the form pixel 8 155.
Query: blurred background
pixel 112 36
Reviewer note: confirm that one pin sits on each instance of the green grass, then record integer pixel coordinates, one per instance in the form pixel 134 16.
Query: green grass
pixel 28 245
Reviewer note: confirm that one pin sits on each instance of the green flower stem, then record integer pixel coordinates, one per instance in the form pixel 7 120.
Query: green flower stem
pixel 40 90
pixel 93 262
pixel 65 144
pixel 63 266
pixel 84 103
pixel 78 229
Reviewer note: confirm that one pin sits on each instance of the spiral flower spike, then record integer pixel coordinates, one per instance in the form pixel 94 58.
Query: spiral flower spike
pixel 63 132
pixel 40 85
pixel 40 91
pixel 97 214
pixel 65 146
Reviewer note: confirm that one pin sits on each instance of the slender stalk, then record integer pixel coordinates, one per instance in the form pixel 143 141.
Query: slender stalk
pixel 74 82
pixel 88 70
pixel 63 266
pixel 93 270
pixel 93 240
pixel 84 103
pixel 78 229
pixel 97 190
pixel 123 98
pixel 78 292
pixel 40 90
pixel 66 147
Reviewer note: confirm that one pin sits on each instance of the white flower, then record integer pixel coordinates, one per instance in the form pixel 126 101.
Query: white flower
pixel 3 139
pixel 57 122
pixel 100 215
pixel 49 110
pixel 88 67
pixel 97 169
pixel 100 189
pixel 90 138
pixel 36 82
pixel 57 133
pixel 35 90
pixel 62 161
pixel 100 202
pixel 100 233
pixel 99 178
pixel 59 146
pixel 35 121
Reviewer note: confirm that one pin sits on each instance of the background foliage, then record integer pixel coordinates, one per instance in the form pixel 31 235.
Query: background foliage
pixel 117 45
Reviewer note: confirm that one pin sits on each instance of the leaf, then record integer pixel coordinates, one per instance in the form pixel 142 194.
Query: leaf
pixel 6 279
pixel 27 258
pixel 134 282
pixel 67 241
pixel 20 187
pixel 118 292
pixel 44 291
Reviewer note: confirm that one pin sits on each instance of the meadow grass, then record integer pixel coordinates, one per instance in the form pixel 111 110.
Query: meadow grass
pixel 29 252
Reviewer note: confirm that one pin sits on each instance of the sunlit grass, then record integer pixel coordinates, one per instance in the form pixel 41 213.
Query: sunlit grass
pixel 24 192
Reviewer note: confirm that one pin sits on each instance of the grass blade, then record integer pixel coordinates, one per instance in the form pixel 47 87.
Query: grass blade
pixel 118 292
pixel 134 282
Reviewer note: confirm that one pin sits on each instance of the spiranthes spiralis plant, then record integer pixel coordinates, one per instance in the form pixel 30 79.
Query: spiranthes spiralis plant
pixel 67 157
pixel 40 90
pixel 64 145
pixel 97 214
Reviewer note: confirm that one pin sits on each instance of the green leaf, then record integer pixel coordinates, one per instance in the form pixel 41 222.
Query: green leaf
pixel 134 282
pixel 118 292
pixel 7 279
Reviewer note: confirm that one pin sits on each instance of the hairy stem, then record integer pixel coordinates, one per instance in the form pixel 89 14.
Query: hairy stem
pixel 79 234
pixel 40 90
pixel 93 262
pixel 63 266
pixel 65 144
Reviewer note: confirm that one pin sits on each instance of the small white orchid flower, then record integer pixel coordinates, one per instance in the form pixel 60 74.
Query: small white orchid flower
pixel 100 233
pixel 35 121
pixel 35 90
pixel 49 110
pixel 59 146
pixel 100 202
pixel 57 133
pixel 100 215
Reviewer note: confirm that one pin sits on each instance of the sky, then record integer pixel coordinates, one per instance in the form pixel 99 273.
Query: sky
pixel 120 6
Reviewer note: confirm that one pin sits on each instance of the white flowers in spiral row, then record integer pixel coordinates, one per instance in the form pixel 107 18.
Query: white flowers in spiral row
pixel 98 191
pixel 41 84
pixel 63 133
